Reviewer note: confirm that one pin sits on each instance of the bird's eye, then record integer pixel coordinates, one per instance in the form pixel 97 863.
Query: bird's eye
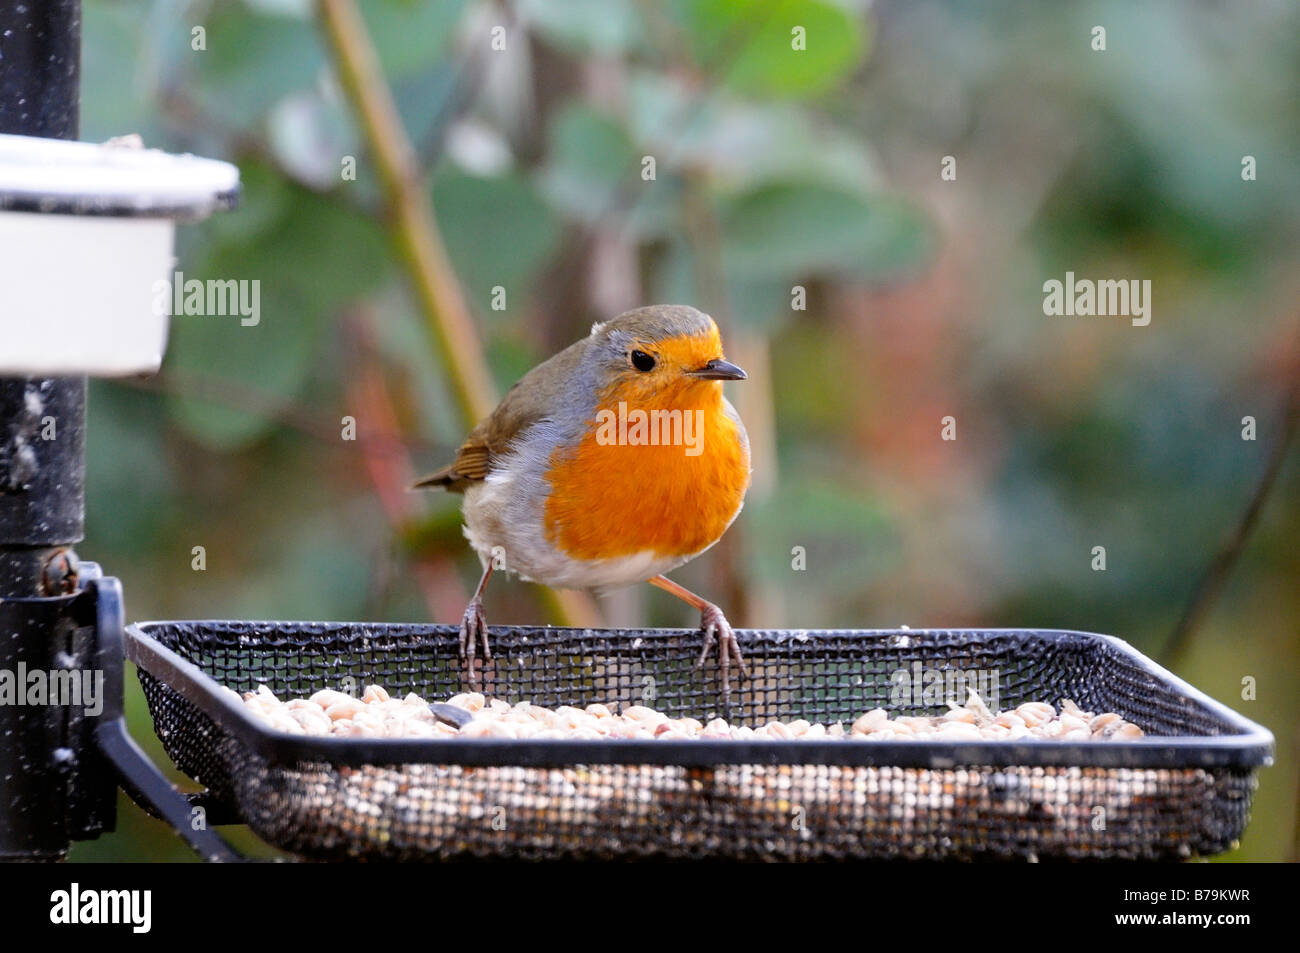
pixel 643 361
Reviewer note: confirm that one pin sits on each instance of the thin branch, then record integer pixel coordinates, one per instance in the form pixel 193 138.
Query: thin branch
pixel 1212 581
pixel 415 230
pixel 419 243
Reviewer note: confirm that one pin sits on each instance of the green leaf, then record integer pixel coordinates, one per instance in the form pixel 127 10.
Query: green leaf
pixel 498 232
pixel 309 133
pixel 739 141
pixel 592 174
pixel 586 26
pixel 115 100
pixel 252 62
pixel 310 263
pixel 589 164
pixel 409 35
pixel 758 301
pixel 129 473
pixel 323 567
pixel 749 44
pixel 265 197
pixel 850 541
pixel 794 229
pixel 426 99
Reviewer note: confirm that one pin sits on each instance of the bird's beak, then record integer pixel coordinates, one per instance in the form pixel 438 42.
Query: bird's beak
pixel 719 370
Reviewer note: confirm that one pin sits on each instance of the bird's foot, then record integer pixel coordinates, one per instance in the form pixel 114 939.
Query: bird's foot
pixel 473 630
pixel 717 630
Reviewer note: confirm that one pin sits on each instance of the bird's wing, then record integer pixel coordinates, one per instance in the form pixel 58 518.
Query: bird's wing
pixel 532 398
pixel 481 448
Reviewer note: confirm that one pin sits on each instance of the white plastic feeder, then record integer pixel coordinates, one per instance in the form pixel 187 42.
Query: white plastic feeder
pixel 85 236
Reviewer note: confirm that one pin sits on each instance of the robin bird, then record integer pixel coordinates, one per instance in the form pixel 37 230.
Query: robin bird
pixel 612 463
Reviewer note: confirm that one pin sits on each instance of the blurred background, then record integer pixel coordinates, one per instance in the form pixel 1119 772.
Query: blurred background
pixel 774 170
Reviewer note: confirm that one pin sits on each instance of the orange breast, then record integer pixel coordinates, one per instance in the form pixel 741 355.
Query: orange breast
pixel 611 499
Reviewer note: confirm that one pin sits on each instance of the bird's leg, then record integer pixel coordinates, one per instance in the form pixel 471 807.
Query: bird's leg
pixel 716 628
pixel 473 629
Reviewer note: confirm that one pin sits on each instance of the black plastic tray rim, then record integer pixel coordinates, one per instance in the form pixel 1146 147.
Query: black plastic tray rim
pixel 1251 745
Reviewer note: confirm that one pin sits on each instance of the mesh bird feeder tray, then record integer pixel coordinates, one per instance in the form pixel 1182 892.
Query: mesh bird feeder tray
pixel 1183 790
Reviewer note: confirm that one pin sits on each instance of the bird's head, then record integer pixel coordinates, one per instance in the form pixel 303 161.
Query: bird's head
pixel 661 354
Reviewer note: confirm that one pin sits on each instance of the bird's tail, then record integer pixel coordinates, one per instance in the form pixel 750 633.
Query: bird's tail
pixel 447 478
pixel 436 478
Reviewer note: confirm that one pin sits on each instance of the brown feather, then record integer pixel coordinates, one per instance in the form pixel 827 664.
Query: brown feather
pixel 528 401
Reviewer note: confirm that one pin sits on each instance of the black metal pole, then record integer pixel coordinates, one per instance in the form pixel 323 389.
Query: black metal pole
pixel 42 469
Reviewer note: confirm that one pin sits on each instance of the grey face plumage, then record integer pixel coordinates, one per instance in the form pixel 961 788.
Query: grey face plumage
pixel 612 339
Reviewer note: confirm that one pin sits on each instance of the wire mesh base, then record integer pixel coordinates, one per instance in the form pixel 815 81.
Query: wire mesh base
pixel 745 812
pixel 946 805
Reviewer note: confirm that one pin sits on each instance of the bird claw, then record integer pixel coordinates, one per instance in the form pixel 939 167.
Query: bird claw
pixel 717 630
pixel 473 630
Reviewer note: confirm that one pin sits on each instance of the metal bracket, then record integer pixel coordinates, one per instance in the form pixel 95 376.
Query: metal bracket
pixel 133 770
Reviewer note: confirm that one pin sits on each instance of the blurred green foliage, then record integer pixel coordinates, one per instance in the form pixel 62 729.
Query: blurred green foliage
pixel 774 167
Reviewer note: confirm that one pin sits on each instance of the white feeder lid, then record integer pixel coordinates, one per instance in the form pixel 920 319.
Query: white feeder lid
pixel 86 244
pixel 118 178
